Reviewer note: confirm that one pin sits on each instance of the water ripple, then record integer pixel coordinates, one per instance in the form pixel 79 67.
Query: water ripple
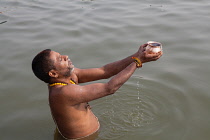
pixel 169 103
pixel 146 108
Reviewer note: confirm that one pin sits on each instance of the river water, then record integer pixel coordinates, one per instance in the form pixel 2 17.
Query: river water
pixel 165 100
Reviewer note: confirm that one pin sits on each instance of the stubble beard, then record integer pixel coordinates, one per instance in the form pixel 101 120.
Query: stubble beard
pixel 68 72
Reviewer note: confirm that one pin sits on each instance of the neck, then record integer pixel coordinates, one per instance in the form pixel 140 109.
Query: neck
pixel 63 80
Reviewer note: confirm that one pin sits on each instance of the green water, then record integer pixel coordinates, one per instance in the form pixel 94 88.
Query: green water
pixel 165 100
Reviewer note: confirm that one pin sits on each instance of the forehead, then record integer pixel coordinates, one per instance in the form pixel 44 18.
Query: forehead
pixel 54 55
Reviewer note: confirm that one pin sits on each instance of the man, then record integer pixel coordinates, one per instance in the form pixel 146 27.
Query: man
pixel 69 101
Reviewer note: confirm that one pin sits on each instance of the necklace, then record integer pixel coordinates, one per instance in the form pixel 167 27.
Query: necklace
pixel 62 84
pixel 54 84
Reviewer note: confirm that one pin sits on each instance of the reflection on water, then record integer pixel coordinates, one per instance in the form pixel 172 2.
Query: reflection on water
pixel 148 110
pixel 167 99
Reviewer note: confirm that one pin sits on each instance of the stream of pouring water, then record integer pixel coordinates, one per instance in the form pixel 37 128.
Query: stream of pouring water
pixel 139 114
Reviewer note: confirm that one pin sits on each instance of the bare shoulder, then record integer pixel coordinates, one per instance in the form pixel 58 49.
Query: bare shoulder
pixel 63 94
pixel 77 94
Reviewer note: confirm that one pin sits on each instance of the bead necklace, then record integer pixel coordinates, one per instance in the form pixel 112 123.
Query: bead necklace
pixel 62 84
pixel 54 84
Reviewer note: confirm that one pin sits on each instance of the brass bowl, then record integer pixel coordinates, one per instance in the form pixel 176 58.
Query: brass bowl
pixel 153 47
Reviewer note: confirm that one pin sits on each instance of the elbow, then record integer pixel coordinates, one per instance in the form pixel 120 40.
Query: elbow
pixel 107 75
pixel 111 89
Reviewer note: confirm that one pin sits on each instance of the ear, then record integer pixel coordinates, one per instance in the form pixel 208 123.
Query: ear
pixel 53 73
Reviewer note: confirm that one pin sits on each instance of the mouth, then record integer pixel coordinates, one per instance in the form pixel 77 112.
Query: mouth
pixel 70 64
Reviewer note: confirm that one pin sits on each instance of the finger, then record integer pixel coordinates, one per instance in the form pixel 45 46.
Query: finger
pixel 150 55
pixel 143 47
pixel 159 54
pixel 153 55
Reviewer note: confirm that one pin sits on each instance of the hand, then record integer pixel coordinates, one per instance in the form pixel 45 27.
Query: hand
pixel 144 56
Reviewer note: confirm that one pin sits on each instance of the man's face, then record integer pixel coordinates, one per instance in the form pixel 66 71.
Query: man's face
pixel 62 64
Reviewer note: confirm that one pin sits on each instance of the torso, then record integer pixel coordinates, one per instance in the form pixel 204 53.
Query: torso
pixel 73 121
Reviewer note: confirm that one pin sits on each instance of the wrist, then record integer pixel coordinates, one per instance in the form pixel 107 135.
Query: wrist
pixel 138 55
pixel 137 61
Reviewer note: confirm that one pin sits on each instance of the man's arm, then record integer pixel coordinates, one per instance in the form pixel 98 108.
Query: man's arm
pixel 104 72
pixel 81 94
pixel 111 69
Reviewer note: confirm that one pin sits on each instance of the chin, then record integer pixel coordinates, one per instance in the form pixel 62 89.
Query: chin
pixel 71 70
